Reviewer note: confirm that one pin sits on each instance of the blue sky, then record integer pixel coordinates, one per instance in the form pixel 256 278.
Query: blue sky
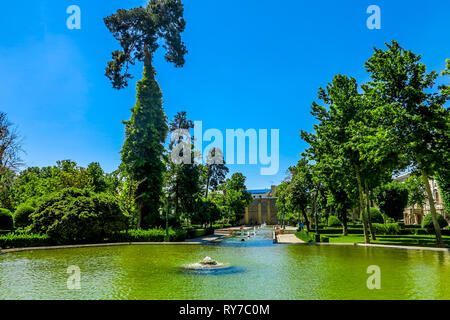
pixel 251 64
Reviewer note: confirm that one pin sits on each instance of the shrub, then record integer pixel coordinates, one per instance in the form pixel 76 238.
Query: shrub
pixel 375 216
pixel 304 235
pixel 151 235
pixel 75 215
pixel 386 228
pixel 22 216
pixel 196 233
pixel 392 199
pixel 427 222
pixel 21 240
pixel 333 221
pixel 6 220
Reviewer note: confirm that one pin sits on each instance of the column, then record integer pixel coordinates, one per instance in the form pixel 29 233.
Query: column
pixel 259 211
pixel 246 215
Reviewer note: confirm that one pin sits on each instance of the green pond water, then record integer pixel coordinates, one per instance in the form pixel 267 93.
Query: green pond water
pixel 261 270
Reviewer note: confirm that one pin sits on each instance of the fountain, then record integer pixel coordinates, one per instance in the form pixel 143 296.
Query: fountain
pixel 207 264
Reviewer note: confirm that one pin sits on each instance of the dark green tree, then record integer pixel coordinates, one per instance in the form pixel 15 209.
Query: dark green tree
pixel 214 171
pixel 138 31
pixel 414 114
pixel 392 199
pixel 300 189
pixel 97 175
pixel 236 196
pixel 183 179
pixel 416 191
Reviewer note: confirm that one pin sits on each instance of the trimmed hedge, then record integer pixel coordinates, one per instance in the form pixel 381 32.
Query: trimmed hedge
pixel 21 240
pixel 333 221
pixel 334 230
pixel 427 222
pixel 22 216
pixel 196 233
pixel 375 216
pixel 151 235
pixel 6 220
pixel 386 228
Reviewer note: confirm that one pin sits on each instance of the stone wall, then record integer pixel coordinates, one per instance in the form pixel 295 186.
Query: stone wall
pixel 261 210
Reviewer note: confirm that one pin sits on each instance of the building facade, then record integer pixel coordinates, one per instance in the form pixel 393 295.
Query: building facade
pixel 414 214
pixel 262 209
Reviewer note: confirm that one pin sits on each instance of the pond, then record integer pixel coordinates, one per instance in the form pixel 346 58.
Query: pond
pixel 260 270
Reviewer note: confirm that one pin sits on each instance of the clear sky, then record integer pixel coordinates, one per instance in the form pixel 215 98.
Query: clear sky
pixel 251 64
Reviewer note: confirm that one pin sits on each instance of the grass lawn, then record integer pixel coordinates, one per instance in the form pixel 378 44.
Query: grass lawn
pixel 403 240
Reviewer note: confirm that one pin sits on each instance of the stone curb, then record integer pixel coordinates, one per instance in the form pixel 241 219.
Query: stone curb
pixel 96 245
pixel 384 246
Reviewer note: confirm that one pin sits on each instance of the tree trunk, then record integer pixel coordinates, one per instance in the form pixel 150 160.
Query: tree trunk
pixel 207 181
pixel 344 223
pixel 361 205
pixel 369 220
pixel 305 216
pixel 437 228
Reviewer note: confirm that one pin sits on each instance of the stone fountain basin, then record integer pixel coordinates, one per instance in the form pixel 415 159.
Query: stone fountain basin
pixel 200 266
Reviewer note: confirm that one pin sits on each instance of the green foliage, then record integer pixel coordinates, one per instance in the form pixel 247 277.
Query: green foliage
pixel 236 197
pixel 138 31
pixel 6 220
pixel 22 216
pixel 443 180
pixel 375 216
pixel 334 221
pixel 79 215
pixel 7 187
pixel 283 204
pixel 143 148
pixel 206 212
pixel 33 183
pixel 215 170
pixel 305 236
pixel 427 222
pixel 392 199
pixel 183 180
pixel 151 235
pixel 386 228
pixel 196 233
pixel 23 240
pixel 416 191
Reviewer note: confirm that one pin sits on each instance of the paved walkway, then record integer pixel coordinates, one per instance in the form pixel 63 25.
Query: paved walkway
pixel 288 238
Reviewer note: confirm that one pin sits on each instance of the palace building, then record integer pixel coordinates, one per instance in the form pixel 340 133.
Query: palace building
pixel 262 209
pixel 414 214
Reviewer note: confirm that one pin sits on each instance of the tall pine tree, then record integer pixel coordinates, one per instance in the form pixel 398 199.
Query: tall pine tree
pixel 138 31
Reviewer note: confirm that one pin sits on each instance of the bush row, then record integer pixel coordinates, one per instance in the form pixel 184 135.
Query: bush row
pixel 386 228
pixel 22 240
pixel 196 233
pixel 152 235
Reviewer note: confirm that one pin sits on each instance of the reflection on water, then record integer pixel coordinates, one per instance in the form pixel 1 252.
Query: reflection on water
pixel 214 272
pixel 252 238
pixel 271 271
